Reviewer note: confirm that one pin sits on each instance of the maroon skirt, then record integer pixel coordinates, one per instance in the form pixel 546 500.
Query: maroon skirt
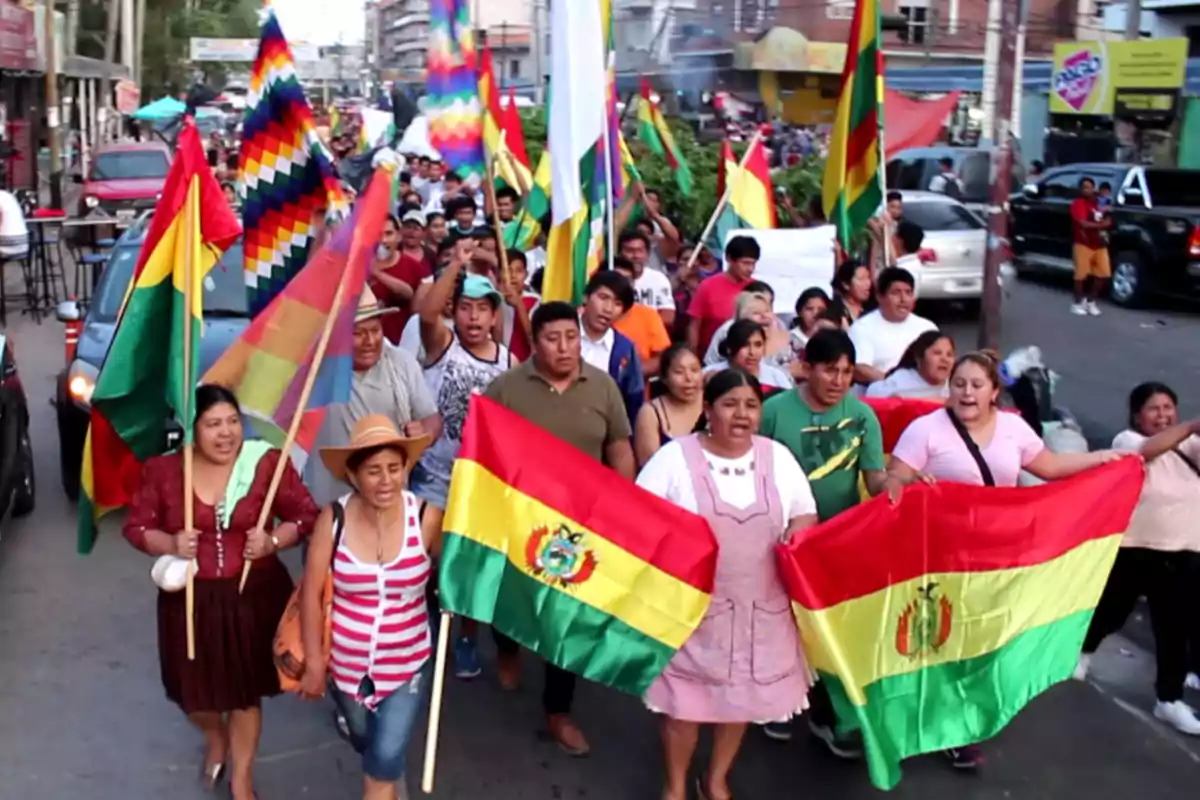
pixel 234 668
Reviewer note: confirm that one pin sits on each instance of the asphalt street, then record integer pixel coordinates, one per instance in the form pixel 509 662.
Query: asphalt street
pixel 82 712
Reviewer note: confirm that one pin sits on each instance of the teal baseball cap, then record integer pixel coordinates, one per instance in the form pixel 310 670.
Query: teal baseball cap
pixel 478 287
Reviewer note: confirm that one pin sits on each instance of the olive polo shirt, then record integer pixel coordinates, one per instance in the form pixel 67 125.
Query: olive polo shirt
pixel 588 415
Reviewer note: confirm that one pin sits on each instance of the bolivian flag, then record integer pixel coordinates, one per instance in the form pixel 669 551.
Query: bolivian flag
pixel 145 376
pixel 752 197
pixel 656 133
pixel 851 191
pixel 563 555
pixel 895 414
pixel 933 622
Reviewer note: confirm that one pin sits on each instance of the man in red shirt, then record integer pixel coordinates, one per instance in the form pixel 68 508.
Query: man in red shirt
pixel 1090 251
pixel 713 304
pixel 400 266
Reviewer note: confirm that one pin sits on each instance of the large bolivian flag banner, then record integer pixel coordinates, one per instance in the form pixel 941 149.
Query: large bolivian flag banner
pixel 566 557
pixel 934 621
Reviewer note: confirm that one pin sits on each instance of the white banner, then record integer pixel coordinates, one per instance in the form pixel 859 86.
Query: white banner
pixel 239 50
pixel 793 259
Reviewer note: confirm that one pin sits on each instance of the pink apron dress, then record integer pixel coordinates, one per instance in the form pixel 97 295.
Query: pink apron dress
pixel 744 663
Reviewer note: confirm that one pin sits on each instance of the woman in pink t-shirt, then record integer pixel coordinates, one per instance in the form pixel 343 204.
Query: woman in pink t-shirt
pixel 971 441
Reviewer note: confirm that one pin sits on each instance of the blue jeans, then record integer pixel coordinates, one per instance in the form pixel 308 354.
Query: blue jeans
pixel 381 736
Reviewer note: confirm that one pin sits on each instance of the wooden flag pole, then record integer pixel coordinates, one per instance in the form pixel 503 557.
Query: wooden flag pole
pixel 435 703
pixel 489 188
pixel 188 401
pixel 729 186
pixel 294 429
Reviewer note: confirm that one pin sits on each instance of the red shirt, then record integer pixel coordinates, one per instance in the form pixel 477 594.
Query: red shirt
pixel 158 505
pixel 714 304
pixel 1086 209
pixel 410 270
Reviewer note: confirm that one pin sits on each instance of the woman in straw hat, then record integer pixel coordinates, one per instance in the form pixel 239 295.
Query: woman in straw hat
pixel 378 542
pixel 233 670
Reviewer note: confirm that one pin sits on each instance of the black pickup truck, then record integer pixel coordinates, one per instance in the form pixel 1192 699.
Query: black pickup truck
pixel 1154 242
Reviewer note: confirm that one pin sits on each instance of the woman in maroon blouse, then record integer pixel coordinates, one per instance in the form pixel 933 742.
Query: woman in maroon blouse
pixel 221 690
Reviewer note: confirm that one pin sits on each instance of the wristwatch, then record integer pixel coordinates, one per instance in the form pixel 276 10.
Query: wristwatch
pixel 275 541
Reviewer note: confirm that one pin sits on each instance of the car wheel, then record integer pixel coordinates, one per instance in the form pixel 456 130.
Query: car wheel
pixel 70 452
pixel 25 492
pixel 1128 284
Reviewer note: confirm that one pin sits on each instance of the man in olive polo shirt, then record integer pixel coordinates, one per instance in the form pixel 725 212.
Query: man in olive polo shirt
pixel 581 405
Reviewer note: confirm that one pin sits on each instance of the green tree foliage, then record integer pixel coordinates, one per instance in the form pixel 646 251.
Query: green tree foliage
pixel 691 213
pixel 169 25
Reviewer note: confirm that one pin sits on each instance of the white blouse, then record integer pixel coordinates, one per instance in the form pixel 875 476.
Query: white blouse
pixel 666 475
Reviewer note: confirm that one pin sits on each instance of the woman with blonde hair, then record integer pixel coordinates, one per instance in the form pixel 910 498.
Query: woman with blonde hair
pixel 756 302
pixel 378 543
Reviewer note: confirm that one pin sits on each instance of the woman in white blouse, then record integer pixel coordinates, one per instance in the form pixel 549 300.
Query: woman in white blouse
pixel 745 347
pixel 744 664
pixel 923 371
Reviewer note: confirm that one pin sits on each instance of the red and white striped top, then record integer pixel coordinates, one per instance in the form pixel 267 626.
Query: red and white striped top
pixel 380 617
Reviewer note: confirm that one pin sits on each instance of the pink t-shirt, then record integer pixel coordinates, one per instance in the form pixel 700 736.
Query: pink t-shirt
pixel 930 444
pixel 714 305
pixel 1166 513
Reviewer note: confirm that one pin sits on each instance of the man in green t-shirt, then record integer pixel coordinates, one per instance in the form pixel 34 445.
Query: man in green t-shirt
pixel 837 439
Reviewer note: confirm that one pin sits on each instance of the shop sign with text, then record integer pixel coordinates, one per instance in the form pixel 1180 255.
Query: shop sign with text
pixel 1100 77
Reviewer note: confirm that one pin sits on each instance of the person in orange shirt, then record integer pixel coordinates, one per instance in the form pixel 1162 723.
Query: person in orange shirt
pixel 643 326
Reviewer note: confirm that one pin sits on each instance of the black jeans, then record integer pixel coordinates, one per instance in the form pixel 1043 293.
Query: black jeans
pixel 558 689
pixel 1168 582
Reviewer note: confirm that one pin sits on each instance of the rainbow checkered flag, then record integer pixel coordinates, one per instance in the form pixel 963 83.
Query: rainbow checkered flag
pixel 287 174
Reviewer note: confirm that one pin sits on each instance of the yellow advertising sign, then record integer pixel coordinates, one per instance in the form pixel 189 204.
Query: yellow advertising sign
pixel 1088 75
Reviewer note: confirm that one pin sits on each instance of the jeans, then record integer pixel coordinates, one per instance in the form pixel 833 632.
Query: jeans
pixel 558 688
pixel 381 735
pixel 1165 578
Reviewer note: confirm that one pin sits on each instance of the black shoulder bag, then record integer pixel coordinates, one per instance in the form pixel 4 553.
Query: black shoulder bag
pixel 972 448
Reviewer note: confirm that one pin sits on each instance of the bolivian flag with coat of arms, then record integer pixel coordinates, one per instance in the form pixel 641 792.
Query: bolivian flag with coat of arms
pixel 565 556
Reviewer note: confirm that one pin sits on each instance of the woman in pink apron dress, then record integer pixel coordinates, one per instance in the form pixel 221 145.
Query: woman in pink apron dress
pixel 744 664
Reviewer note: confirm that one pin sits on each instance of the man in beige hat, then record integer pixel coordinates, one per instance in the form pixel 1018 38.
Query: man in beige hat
pixel 386 381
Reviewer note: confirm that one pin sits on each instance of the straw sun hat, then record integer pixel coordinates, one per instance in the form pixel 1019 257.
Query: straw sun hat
pixel 369 307
pixel 376 430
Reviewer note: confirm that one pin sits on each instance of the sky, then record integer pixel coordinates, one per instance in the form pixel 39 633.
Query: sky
pixel 316 21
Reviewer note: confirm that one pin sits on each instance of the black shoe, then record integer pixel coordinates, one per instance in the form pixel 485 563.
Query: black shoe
pixel 965 758
pixel 779 731
pixel 847 747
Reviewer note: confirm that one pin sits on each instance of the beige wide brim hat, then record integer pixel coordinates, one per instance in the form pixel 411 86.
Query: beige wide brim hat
pixel 369 307
pixel 376 430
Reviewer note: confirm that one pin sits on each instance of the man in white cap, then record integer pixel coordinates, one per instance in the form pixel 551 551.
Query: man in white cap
pixel 387 381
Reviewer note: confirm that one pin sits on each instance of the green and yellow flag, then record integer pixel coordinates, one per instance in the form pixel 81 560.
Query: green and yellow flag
pixel 934 621
pixel 851 191
pixel 600 577
pixel 144 377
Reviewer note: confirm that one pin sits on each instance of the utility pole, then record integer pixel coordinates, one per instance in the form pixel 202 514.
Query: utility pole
pixel 139 36
pixel 1133 20
pixel 503 54
pixel 931 32
pixel 52 106
pixel 997 242
pixel 127 34
pixel 539 47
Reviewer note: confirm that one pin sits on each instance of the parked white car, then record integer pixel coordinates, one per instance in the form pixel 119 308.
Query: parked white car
pixel 954 249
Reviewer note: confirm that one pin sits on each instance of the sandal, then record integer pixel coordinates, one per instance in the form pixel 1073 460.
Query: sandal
pixel 211 776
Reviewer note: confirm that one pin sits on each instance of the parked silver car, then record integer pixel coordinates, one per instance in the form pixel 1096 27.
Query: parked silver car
pixel 954 249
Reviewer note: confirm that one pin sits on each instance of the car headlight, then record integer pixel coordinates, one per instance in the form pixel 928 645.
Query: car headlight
pixel 90 201
pixel 81 381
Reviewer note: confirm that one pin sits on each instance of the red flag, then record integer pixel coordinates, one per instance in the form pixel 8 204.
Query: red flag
pixel 514 135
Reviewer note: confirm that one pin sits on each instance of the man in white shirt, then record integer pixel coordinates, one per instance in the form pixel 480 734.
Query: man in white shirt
pixel 881 337
pixel 652 287
pixel 946 182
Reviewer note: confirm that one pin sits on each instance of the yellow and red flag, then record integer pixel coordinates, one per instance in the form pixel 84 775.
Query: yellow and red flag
pixel 497 138
pixel 602 578
pixel 654 131
pixel 145 377
pixel 934 621
pixel 752 199
pixel 852 191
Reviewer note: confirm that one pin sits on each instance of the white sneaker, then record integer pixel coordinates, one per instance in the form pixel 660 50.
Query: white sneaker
pixel 1081 668
pixel 1193 681
pixel 1092 308
pixel 1179 715
pixel 1079 309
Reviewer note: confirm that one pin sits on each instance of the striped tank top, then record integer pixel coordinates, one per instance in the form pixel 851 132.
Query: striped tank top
pixel 380 617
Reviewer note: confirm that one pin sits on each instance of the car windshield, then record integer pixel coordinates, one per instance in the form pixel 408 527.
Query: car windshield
pixel 941 216
pixel 130 165
pixel 1174 187
pixel 224 287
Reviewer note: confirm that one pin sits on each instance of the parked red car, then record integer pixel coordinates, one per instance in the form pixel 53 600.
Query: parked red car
pixel 124 180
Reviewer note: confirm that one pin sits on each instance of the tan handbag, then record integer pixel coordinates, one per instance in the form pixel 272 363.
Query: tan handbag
pixel 289 639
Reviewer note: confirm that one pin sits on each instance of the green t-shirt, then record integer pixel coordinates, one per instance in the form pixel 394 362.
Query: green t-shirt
pixel 833 447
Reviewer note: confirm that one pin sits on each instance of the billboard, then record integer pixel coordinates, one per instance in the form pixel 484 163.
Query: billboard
pixel 1100 77
pixel 245 50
